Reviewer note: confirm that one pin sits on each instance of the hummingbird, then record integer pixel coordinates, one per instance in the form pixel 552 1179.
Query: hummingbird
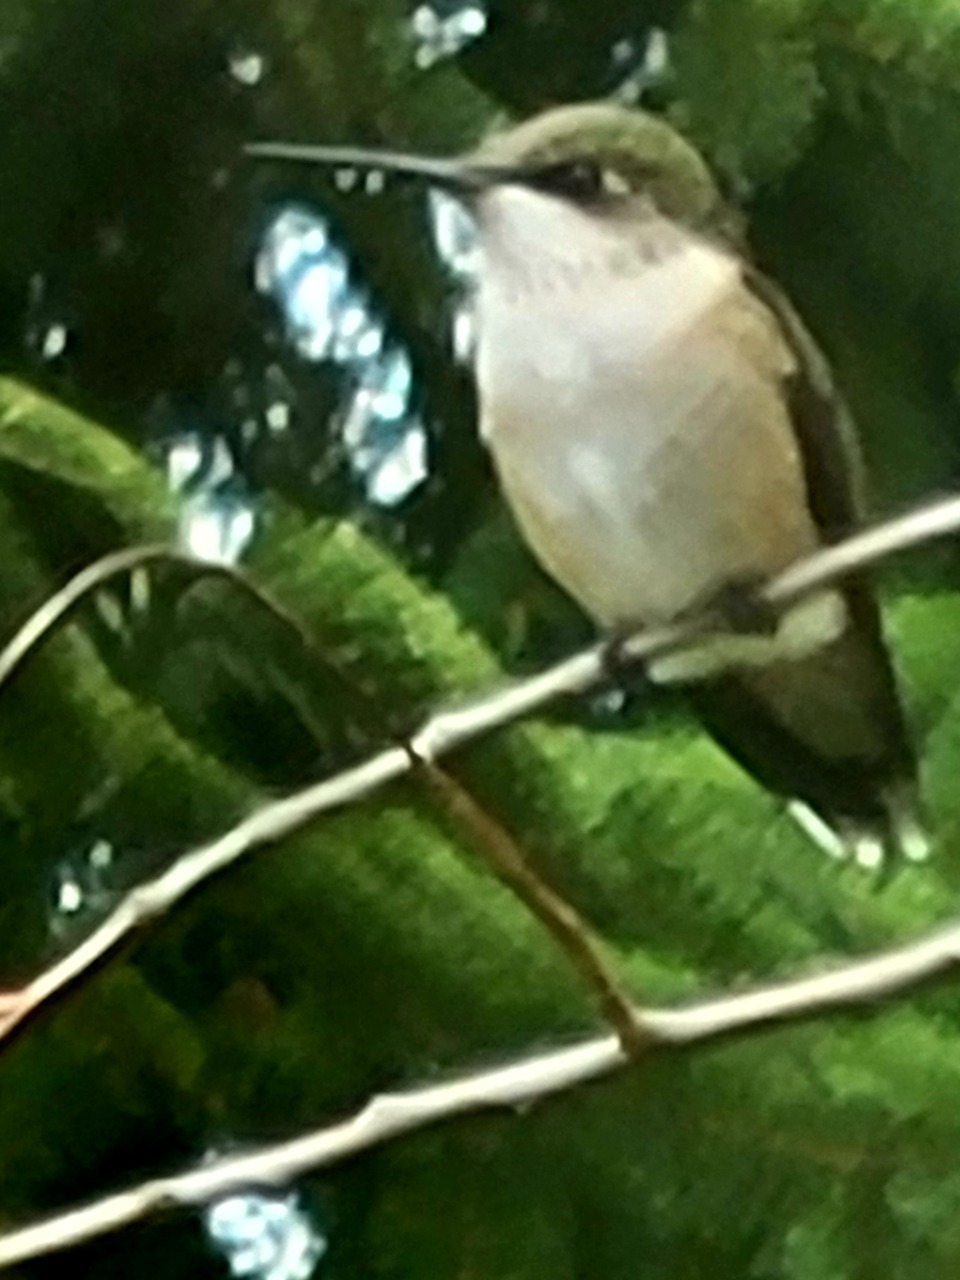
pixel 667 434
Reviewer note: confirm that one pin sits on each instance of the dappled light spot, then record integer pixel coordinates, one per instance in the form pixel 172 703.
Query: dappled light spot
pixel 328 317
pixel 443 28
pixel 266 1237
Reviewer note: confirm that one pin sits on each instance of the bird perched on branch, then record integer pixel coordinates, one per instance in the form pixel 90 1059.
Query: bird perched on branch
pixel 667 435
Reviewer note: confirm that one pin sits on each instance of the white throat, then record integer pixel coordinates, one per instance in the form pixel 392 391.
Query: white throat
pixel 531 241
pixel 567 299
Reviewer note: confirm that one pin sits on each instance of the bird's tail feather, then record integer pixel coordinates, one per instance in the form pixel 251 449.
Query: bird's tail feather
pixel 899 835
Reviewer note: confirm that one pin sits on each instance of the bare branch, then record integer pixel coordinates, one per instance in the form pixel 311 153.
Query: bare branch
pixel 559 917
pixel 55 608
pixel 514 1085
pixel 442 733
pixel 490 837
pixel 41 624
pixel 927 523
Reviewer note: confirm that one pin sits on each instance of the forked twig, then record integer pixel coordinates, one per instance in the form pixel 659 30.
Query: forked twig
pixel 492 841
pixel 441 733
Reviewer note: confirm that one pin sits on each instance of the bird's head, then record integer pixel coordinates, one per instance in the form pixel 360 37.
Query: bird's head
pixel 600 157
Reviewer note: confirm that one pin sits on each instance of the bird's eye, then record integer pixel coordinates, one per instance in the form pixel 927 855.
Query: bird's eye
pixel 580 180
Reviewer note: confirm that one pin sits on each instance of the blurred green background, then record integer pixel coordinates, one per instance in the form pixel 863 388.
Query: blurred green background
pixel 375 950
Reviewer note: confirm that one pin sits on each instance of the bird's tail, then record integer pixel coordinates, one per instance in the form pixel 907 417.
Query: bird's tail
pixel 827 730
pixel 899 834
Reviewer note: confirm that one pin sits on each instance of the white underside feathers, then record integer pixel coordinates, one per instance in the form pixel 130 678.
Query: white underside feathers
pixel 803 630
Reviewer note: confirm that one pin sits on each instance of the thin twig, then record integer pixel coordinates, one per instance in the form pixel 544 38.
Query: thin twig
pixel 58 606
pixel 443 732
pixel 41 624
pixel 492 841
pixel 515 1085
pixel 559 917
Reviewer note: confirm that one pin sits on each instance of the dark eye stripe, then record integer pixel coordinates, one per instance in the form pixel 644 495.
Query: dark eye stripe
pixel 579 179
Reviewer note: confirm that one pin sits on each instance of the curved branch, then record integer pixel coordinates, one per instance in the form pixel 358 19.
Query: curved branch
pixel 62 603
pixel 41 624
pixel 514 1085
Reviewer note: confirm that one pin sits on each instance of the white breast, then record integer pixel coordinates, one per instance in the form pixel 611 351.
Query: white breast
pixel 563 298
pixel 646 456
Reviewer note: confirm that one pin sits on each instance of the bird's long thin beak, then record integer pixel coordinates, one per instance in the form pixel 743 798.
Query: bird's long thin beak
pixel 459 175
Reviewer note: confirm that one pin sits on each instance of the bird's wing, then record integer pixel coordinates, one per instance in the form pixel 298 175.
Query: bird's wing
pixel 832 461
pixel 781 722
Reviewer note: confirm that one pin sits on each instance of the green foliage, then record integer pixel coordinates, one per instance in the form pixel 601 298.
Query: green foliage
pixel 375 949
pixel 749 103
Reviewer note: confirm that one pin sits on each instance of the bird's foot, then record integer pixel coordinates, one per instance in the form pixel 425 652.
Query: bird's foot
pixel 735 619
pixel 738 607
pixel 619 668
